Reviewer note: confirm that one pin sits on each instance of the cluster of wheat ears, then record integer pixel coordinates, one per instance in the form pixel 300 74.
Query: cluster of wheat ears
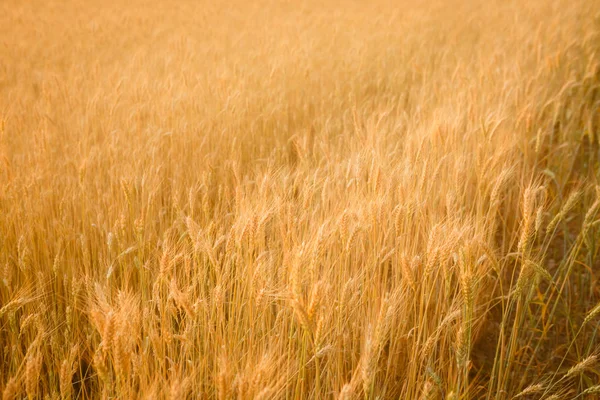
pixel 299 199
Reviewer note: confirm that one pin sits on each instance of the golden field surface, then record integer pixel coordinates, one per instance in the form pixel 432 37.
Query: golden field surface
pixel 299 199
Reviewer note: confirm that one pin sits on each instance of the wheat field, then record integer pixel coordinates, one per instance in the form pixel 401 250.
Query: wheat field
pixel 299 199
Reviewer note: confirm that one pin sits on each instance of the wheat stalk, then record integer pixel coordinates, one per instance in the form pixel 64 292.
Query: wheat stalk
pixel 581 366
pixel 531 389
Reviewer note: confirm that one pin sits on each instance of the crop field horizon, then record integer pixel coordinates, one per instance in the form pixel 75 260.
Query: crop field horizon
pixel 300 199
